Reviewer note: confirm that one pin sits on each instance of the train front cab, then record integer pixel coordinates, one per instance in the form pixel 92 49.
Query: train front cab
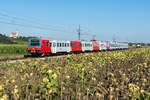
pixel 38 46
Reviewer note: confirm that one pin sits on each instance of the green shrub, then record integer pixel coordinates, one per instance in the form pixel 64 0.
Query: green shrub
pixel 13 49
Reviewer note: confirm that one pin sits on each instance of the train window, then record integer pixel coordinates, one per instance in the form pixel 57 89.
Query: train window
pixel 77 44
pixel 62 44
pixel 50 44
pixel 72 44
pixel 43 43
pixel 46 44
pixel 67 44
pixel 35 43
pixel 57 44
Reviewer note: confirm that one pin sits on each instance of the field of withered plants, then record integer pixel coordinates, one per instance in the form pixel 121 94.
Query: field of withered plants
pixel 112 75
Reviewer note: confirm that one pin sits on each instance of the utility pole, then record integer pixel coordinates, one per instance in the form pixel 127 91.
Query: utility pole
pixel 79 32
pixel 114 38
pixel 94 37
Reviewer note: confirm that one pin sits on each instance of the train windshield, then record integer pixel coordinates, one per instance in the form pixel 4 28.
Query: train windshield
pixel 35 43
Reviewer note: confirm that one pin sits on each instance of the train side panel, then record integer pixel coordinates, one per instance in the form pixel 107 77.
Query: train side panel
pixel 95 46
pixel 60 46
pixel 76 46
pixel 87 46
pixel 45 46
pixel 102 45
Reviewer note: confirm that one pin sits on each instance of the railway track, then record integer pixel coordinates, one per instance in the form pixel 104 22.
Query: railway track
pixel 26 57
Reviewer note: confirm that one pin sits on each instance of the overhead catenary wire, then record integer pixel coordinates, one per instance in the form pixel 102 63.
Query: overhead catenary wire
pixel 43 34
pixel 44 27
pixel 33 26
pixel 28 23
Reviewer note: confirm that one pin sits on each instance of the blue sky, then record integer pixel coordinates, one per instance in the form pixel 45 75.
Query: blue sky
pixel 125 20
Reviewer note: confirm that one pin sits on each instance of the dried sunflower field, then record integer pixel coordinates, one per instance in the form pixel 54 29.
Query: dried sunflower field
pixel 113 75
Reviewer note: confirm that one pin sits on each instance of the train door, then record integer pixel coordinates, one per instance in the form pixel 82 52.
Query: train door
pixel 102 45
pixel 83 46
pixel 107 45
pixel 43 46
pixel 53 47
pixel 67 46
pixel 48 49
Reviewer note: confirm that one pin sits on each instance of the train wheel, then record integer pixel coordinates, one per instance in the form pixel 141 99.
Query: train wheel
pixel 43 54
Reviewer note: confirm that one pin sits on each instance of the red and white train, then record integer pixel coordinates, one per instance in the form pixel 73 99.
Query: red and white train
pixel 38 46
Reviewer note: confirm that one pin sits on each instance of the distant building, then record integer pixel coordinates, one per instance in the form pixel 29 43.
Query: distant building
pixel 14 34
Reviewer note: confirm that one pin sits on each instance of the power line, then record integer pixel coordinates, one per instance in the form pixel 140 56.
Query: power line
pixel 14 19
pixel 32 26
pixel 45 35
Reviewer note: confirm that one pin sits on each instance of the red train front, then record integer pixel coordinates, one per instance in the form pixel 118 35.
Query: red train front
pixel 38 46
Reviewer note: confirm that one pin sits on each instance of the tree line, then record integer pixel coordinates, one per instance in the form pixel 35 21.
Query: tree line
pixel 7 40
